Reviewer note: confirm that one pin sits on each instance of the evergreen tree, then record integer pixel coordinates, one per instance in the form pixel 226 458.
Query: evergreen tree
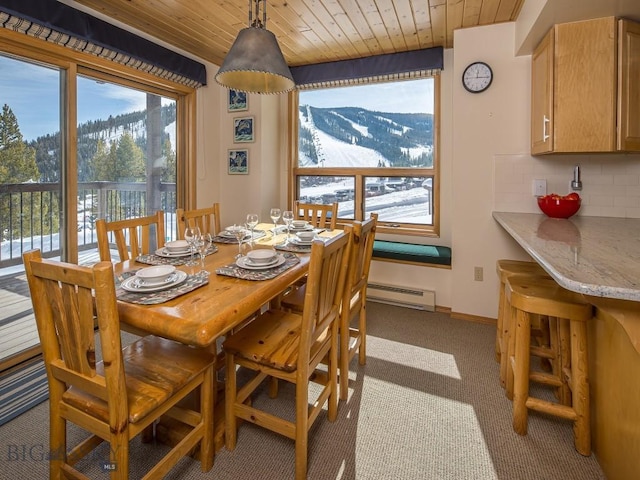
pixel 169 169
pixel 17 160
pixel 20 218
pixel 130 165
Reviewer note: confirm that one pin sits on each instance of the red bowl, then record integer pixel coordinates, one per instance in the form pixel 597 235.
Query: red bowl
pixel 558 207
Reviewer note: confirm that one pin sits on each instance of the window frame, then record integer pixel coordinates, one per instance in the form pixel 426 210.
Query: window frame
pixel 73 63
pixel 360 174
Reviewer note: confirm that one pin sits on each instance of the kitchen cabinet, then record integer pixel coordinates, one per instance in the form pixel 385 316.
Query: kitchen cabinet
pixel 585 88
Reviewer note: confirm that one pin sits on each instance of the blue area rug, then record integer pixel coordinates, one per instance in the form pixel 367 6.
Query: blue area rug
pixel 22 388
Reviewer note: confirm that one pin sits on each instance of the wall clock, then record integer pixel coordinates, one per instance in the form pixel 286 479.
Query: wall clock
pixel 477 77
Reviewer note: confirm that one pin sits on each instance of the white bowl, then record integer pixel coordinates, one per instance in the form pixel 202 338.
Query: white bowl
pixel 177 246
pixel 306 236
pixel 299 223
pixel 261 255
pixel 156 274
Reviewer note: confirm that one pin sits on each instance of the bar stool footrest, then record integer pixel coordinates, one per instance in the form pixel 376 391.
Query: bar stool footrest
pixel 551 408
pixel 545 379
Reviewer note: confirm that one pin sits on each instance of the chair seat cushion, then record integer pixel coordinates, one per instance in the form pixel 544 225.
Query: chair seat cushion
pixel 271 340
pixel 155 369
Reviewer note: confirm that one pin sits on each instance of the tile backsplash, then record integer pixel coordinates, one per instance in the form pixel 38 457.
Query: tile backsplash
pixel 610 182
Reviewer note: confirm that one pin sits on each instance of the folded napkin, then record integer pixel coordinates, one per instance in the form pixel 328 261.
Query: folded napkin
pixel 233 270
pixel 152 298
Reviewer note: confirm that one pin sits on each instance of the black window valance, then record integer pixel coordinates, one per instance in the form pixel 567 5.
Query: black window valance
pixel 59 23
pixel 392 66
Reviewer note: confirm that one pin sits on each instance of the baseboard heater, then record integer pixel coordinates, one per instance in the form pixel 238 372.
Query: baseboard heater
pixel 402 296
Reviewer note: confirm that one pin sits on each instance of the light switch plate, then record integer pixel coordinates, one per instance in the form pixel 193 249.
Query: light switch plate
pixel 539 188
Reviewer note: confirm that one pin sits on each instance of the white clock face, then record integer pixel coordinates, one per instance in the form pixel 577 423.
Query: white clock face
pixel 477 77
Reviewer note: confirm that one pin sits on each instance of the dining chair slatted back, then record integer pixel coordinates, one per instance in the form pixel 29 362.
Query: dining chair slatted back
pixel 289 346
pixel 320 216
pixel 133 236
pixel 120 396
pixel 206 219
pixel 354 339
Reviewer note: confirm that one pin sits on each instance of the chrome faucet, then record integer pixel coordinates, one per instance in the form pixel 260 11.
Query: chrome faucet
pixel 576 184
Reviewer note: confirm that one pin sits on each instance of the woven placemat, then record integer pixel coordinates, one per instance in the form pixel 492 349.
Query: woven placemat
pixel 256 235
pixel 153 259
pixel 292 247
pixel 152 298
pixel 233 270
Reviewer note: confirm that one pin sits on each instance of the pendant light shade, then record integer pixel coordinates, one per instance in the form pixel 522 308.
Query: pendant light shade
pixel 255 63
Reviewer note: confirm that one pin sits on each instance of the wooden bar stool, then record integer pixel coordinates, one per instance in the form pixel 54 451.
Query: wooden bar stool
pixel 506 268
pixel 545 297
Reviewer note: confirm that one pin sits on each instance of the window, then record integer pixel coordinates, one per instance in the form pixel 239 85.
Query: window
pixel 371 148
pixel 130 133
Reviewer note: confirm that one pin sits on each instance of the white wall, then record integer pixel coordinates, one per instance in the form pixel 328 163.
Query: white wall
pixel 238 195
pixel 484 125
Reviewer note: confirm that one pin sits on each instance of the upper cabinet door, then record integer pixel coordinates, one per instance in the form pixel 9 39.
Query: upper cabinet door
pixel 628 86
pixel 585 88
pixel 542 96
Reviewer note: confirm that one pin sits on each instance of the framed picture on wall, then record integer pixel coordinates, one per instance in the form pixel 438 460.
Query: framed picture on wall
pixel 238 101
pixel 238 162
pixel 243 131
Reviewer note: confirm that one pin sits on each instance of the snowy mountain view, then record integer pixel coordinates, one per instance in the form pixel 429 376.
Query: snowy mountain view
pixel 351 137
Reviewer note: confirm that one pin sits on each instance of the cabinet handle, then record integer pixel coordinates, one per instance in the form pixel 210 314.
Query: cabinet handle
pixel 545 121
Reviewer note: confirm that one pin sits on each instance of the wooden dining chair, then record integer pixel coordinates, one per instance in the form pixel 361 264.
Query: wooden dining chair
pixel 207 219
pixel 133 236
pixel 119 397
pixel 289 346
pixel 320 216
pixel 352 339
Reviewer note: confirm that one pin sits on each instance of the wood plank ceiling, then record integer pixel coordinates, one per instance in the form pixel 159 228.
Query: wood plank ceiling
pixel 309 31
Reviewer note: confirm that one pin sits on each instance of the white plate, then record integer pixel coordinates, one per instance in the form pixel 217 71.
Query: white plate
pixel 163 252
pixel 268 264
pixel 242 262
pixel 302 243
pixel 307 228
pixel 177 246
pixel 155 275
pixel 132 284
pixel 226 234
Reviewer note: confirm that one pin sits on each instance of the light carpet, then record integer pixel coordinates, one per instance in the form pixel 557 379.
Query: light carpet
pixel 428 405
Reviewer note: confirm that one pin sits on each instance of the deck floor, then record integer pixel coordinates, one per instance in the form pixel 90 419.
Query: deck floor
pixel 18 331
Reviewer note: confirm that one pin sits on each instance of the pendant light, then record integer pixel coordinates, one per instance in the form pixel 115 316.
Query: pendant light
pixel 255 63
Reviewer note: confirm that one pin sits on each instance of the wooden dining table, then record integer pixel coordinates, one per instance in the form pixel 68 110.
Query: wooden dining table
pixel 202 316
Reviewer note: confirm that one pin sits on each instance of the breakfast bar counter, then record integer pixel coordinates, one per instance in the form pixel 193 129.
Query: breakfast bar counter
pixel 596 256
pixel 599 257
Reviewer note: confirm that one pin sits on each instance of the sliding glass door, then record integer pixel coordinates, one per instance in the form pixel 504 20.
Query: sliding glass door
pixel 126 157
pixel 123 165
pixel 30 190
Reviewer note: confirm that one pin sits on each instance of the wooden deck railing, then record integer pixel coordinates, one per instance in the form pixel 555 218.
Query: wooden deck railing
pixel 30 213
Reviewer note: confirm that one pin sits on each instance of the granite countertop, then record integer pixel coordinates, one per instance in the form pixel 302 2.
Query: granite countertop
pixel 597 256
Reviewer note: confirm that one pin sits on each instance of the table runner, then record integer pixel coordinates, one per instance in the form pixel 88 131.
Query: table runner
pixel 232 270
pixel 153 259
pixel 152 298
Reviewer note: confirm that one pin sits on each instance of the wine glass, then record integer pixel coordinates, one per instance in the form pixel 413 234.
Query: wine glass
pixel 239 232
pixel 202 243
pixel 190 235
pixel 275 216
pixel 287 216
pixel 252 221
